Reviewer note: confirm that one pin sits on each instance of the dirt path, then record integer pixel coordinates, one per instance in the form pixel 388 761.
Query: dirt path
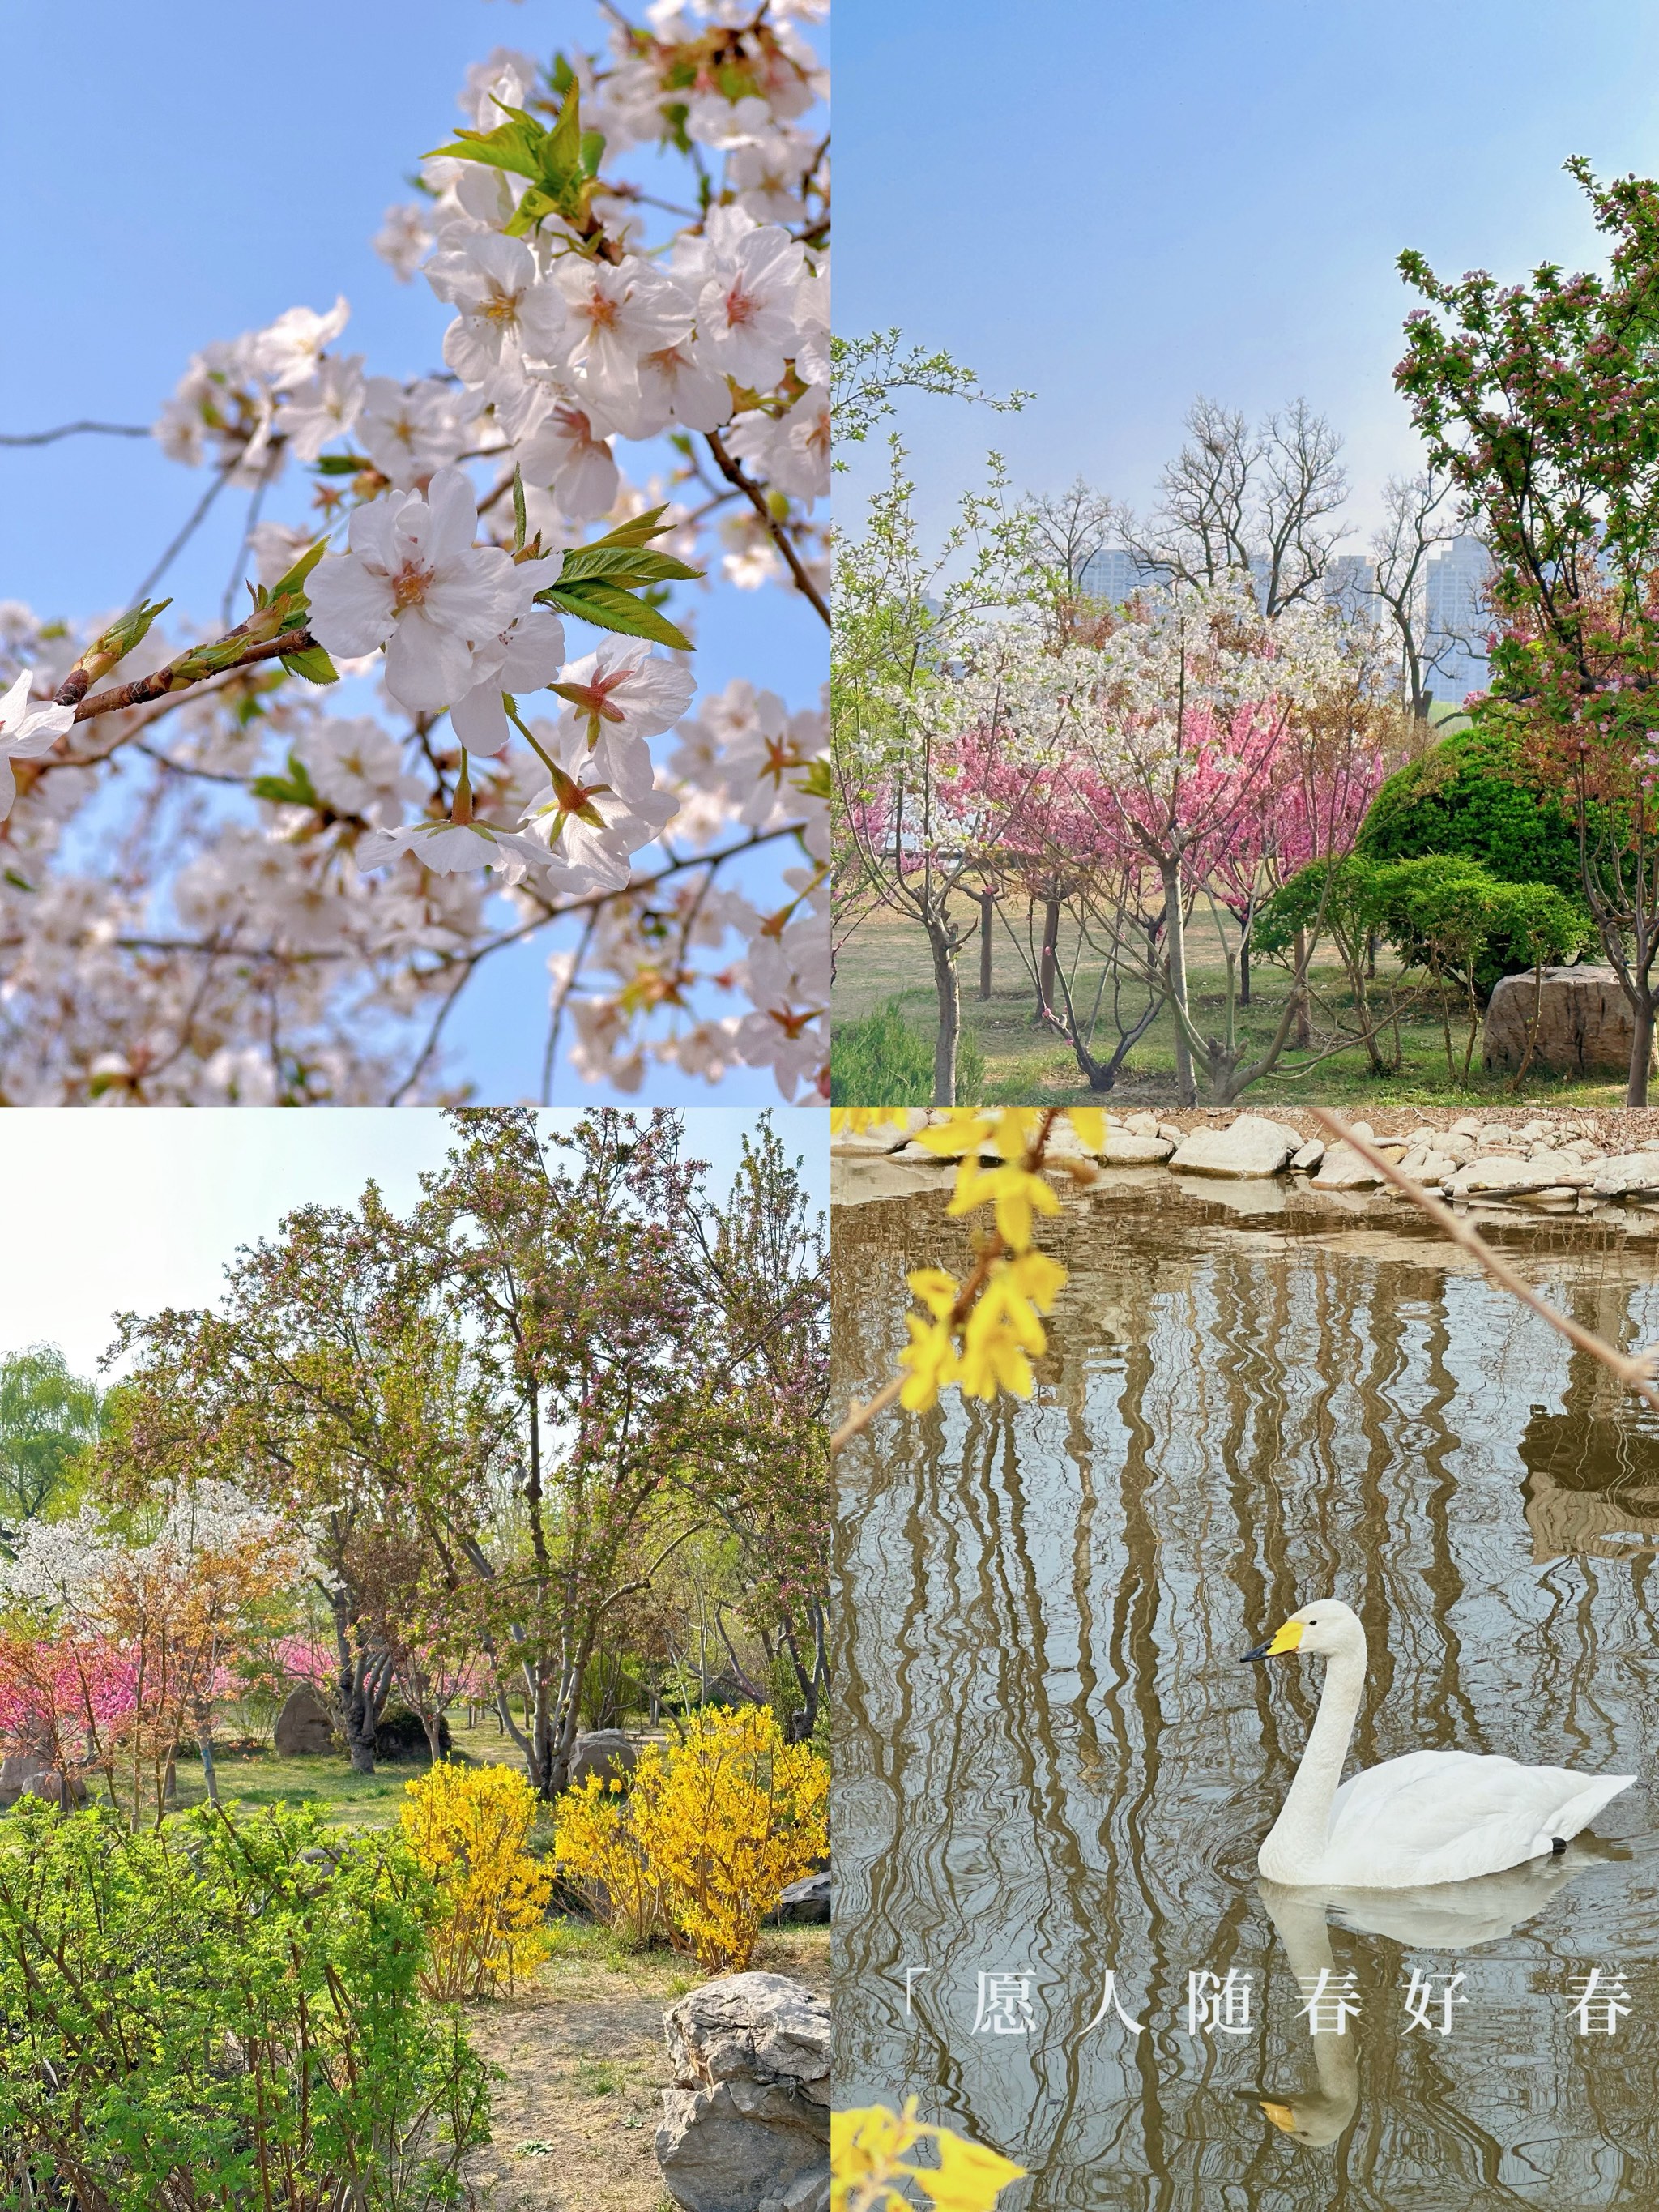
pixel 581 2048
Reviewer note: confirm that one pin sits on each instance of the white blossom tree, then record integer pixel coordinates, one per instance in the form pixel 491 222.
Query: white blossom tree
pixel 289 898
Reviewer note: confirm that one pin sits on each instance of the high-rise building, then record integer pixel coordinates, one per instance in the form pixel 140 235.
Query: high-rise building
pixel 1114 574
pixel 1457 621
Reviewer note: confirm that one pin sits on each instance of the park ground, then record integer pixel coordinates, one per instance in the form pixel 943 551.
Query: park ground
pixel 887 958
pixel 579 2045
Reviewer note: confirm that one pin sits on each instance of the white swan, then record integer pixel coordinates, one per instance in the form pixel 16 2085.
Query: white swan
pixel 1431 1816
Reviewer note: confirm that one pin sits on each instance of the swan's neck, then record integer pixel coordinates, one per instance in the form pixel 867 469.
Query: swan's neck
pixel 1297 1842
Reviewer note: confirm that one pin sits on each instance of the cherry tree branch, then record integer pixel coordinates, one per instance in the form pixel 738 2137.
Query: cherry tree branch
pixel 74 429
pixel 774 529
pixel 161 684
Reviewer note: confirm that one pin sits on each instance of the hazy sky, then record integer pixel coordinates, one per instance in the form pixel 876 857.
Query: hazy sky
pixel 1123 205
pixel 185 171
pixel 109 1211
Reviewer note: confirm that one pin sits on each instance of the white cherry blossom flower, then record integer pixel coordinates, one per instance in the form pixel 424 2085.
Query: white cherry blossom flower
pixel 569 455
pixel 505 305
pixel 356 766
pixel 525 654
pixel 444 847
pixel 325 405
pixel 746 309
pixel 625 688
pixel 792 451
pixel 26 733
pixel 408 431
pixel 403 240
pixel 592 816
pixel 619 311
pixel 414 581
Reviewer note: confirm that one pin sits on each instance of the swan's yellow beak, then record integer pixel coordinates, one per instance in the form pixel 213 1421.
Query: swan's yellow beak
pixel 1281 2116
pixel 1287 1640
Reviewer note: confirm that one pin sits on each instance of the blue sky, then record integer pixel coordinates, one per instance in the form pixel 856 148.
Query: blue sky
pixel 1123 205
pixel 106 1212
pixel 186 172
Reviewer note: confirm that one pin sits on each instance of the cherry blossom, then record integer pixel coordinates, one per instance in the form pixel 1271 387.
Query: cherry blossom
pixel 300 886
pixel 26 733
pixel 415 582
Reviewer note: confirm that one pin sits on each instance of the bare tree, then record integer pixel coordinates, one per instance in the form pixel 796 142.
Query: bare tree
pixel 1417 520
pixel 1072 527
pixel 1259 500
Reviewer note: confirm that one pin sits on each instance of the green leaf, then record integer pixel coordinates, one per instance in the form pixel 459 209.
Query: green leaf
pixel 295 789
pixel 512 145
pixel 313 663
pixel 607 606
pixel 342 464
pixel 625 564
pixel 639 530
pixel 520 523
pixel 593 151
pixel 295 580
pixel 560 148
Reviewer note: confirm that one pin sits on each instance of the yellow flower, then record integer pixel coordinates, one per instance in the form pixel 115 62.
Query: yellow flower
pixel 1038 1278
pixel 965 1131
pixel 1016 1194
pixel 1015 1130
pixel 853 1118
pixel 937 1292
pixel 867 2169
pixel 1090 1122
pixel 932 1359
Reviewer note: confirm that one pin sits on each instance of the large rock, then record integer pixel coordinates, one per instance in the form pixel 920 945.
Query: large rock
pixel 1129 1148
pixel 1496 1176
pixel 602 1751
pixel 746 2128
pixel 806 1902
pixel 1343 1169
pixel 303 1725
pixel 1626 1174
pixel 1248 1146
pixel 1583 1023
pixel 31 1773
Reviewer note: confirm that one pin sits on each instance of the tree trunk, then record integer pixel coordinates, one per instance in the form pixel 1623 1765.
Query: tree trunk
pixel 1245 965
pixel 1048 961
pixel 1303 1032
pixel 1174 923
pixel 204 1718
pixel 948 992
pixel 987 900
pixel 1641 1052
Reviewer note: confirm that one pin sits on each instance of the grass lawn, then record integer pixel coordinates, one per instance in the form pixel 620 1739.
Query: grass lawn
pixel 887 958
pixel 357 1801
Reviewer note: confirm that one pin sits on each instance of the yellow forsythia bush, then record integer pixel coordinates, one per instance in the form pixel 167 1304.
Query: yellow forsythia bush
pixel 868 2170
pixel 468 1827
pixel 709 1833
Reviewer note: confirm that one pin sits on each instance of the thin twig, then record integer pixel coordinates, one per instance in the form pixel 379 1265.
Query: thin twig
pixel 73 429
pixel 1636 1372
pixel 197 515
pixel 775 530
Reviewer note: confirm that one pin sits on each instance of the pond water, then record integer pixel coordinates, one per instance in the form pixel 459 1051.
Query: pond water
pixel 1050 1766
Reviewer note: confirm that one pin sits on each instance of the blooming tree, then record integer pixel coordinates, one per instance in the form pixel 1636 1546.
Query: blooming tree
pixel 295 897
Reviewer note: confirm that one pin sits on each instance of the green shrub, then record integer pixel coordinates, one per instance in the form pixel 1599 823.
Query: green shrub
pixel 1439 911
pixel 880 1060
pixel 1472 796
pixel 223 2013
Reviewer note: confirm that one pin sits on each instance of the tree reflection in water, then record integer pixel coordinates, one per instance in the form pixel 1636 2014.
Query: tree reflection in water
pixel 1048 1762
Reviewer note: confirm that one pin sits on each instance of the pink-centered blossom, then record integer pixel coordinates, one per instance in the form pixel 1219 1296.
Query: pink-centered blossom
pixel 414 581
